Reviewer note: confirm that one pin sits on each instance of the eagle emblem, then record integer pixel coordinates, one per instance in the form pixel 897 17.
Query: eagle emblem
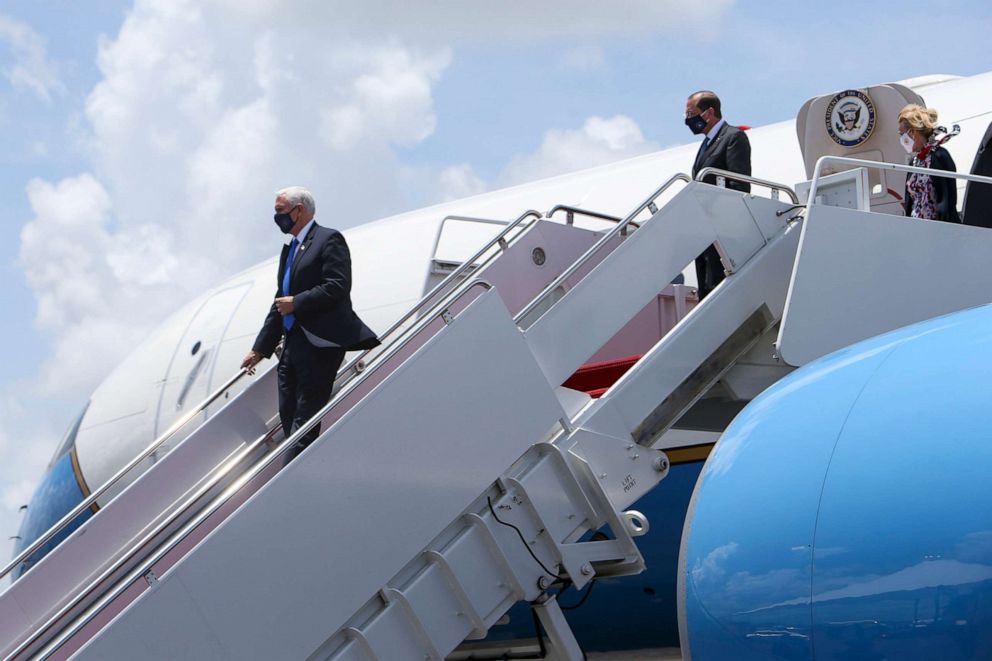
pixel 850 118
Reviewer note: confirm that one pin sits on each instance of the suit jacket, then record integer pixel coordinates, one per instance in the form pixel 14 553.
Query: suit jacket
pixel 729 150
pixel 320 284
pixel 977 207
pixel 945 189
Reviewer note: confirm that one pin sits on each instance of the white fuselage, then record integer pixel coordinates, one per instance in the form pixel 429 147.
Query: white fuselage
pixel 391 261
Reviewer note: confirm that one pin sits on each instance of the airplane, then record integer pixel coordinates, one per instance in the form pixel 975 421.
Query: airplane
pixel 873 539
pixel 400 260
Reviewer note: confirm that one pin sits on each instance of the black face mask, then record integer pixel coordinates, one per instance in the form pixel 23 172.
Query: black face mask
pixel 696 124
pixel 284 221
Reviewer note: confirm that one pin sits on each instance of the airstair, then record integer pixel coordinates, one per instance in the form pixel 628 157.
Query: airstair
pixel 420 515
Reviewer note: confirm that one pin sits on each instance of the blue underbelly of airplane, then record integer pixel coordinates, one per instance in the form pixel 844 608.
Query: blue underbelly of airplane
pixel 845 512
pixel 59 492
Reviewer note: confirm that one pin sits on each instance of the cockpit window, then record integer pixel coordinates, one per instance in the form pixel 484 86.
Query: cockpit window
pixel 58 493
pixel 70 437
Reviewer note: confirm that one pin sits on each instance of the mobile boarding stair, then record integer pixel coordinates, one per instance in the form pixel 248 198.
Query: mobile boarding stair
pixel 415 521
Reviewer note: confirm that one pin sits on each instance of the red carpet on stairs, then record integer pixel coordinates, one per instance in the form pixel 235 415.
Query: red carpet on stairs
pixel 596 378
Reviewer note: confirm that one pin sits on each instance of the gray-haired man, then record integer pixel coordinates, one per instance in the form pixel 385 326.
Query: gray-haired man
pixel 312 310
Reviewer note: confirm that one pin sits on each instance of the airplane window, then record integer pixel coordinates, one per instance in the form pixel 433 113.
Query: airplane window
pixel 196 347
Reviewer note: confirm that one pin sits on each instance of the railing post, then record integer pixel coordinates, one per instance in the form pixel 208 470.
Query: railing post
pixel 882 165
pixel 723 175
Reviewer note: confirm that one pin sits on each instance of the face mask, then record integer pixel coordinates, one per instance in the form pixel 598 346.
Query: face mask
pixel 696 124
pixel 284 221
pixel 906 140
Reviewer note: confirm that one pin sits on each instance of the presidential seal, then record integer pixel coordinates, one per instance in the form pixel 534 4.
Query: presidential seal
pixel 850 118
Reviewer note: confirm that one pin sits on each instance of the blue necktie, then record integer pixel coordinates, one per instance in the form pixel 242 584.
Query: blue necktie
pixel 702 148
pixel 287 320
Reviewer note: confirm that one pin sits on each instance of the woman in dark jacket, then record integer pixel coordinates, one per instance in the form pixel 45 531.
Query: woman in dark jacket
pixel 932 198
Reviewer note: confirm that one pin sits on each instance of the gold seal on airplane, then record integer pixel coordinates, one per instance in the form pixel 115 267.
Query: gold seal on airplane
pixel 850 118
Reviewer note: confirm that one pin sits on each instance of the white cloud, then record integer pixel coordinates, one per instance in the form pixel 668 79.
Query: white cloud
pixel 584 59
pixel 61 248
pixel 204 108
pixel 458 181
pixel 478 21
pixel 392 100
pixel 26 442
pixel 90 281
pixel 190 131
pixel 31 68
pixel 598 142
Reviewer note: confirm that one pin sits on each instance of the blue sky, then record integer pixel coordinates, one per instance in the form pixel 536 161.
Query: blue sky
pixel 143 133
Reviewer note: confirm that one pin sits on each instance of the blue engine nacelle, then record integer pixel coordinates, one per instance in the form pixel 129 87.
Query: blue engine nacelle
pixel 846 513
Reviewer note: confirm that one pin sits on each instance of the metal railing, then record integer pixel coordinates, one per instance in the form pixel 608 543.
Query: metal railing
pixel 736 176
pixel 463 219
pixel 90 500
pixel 202 515
pixel 596 247
pixel 571 212
pixel 882 165
pixel 357 365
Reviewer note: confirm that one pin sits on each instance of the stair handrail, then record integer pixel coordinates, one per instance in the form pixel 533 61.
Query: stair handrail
pixel 356 364
pixel 177 538
pixel 90 500
pixel 572 211
pixel 737 176
pixel 606 238
pixel 364 373
pixel 464 219
pixel 882 165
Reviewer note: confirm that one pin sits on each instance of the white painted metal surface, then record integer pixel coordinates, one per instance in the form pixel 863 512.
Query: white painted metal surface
pixel 389 460
pixel 384 468
pixel 848 189
pixel 721 219
pixel 535 259
pixel 879 144
pixel 761 282
pixel 92 548
pixel 861 274
pixel 391 259
pixel 385 459
pixel 599 305
pixel 80 561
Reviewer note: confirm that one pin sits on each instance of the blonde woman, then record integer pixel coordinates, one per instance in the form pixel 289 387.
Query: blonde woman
pixel 931 198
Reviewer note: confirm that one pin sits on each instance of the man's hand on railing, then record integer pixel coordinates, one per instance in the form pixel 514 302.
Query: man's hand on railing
pixel 253 358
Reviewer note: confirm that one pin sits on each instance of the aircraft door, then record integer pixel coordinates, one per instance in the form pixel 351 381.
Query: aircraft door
pixel 859 123
pixel 189 376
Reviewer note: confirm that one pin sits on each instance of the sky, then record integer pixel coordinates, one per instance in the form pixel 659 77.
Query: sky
pixel 141 140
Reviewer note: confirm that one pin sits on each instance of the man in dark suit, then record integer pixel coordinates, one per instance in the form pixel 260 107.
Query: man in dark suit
pixel 312 311
pixel 725 147
pixel 977 207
